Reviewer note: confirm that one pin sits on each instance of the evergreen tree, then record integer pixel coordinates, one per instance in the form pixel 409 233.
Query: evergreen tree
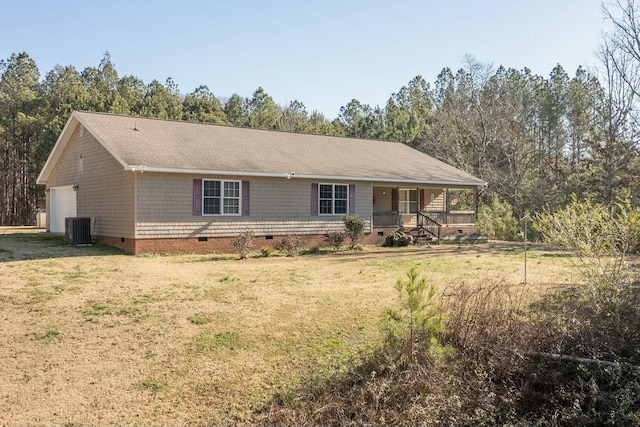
pixel 101 83
pixel 20 131
pixel 294 118
pixel 202 106
pixel 236 110
pixel 162 101
pixel 409 112
pixel 129 96
pixel 262 111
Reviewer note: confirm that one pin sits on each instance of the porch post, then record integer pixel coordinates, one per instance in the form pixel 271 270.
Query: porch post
pixel 446 206
pixel 418 204
pixel 446 200
pixel 475 204
pixel 395 201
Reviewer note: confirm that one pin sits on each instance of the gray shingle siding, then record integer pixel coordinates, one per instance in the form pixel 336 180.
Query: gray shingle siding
pixel 279 206
pixel 105 189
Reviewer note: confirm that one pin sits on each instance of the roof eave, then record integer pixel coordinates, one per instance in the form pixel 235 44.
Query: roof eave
pixel 290 175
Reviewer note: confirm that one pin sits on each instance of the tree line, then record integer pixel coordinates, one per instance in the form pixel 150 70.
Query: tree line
pixel 536 139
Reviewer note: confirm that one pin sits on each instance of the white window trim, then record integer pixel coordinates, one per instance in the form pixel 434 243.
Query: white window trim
pixel 333 199
pixel 222 181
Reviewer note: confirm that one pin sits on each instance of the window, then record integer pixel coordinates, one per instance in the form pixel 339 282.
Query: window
pixel 220 197
pixel 333 199
pixel 408 201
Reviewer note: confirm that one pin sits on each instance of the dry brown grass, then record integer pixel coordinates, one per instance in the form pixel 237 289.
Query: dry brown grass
pixel 91 336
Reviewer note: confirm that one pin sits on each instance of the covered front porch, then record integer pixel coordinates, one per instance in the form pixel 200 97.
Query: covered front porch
pixel 431 210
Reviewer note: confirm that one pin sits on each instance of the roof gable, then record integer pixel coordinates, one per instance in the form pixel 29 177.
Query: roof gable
pixel 70 127
pixel 173 146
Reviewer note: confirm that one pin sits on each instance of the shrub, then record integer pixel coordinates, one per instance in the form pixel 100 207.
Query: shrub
pixel 484 315
pixel 600 237
pixel 289 245
pixel 397 239
pixel 266 251
pixel 557 361
pixel 355 229
pixel 311 250
pixel 496 220
pixel 244 242
pixel 335 239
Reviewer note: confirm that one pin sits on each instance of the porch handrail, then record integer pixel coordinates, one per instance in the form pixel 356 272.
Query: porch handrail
pixel 453 217
pixel 429 225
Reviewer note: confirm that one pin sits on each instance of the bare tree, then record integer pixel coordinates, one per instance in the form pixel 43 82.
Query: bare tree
pixel 624 41
pixel 614 139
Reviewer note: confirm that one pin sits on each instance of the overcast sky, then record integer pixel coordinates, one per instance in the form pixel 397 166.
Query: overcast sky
pixel 323 53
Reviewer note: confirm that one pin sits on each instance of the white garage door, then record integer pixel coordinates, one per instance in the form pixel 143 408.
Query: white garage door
pixel 63 205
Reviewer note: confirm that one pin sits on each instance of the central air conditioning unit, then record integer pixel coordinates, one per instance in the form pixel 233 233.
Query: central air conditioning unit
pixel 77 231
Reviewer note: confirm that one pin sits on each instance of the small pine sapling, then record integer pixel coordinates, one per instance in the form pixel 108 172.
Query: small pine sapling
pixel 418 321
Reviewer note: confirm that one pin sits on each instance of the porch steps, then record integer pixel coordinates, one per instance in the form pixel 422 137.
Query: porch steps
pixel 420 236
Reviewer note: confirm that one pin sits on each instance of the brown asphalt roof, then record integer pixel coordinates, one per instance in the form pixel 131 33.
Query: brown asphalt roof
pixel 200 148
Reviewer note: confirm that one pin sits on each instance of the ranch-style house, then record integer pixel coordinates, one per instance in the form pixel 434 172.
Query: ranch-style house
pixel 162 186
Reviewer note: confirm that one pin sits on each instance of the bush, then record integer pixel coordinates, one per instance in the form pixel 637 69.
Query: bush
pixel 397 240
pixel 289 245
pixel 496 220
pixel 502 372
pixel 312 250
pixel 355 229
pixel 484 315
pixel 600 237
pixel 244 243
pixel 266 251
pixel 335 239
